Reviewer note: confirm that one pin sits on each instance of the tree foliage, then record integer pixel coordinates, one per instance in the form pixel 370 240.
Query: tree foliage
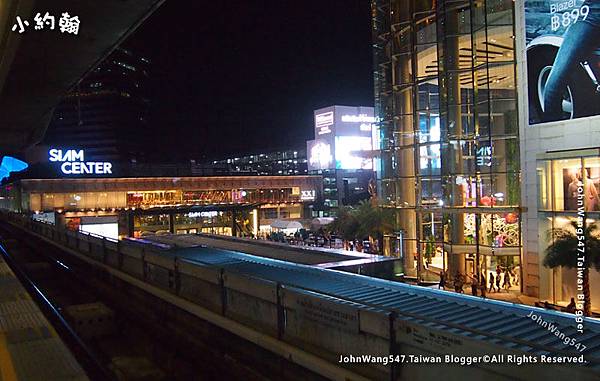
pixel 363 221
pixel 564 252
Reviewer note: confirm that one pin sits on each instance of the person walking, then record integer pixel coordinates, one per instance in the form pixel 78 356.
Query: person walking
pixel 491 281
pixel 442 283
pixel 506 282
pixel 497 281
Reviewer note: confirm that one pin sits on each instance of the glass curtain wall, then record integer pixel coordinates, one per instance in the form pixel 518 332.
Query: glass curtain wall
pixel 447 114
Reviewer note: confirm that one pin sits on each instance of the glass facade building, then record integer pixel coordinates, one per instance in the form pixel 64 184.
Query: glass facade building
pixel 446 109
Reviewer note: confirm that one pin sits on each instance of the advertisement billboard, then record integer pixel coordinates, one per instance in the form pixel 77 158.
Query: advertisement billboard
pixel 562 59
pixel 343 138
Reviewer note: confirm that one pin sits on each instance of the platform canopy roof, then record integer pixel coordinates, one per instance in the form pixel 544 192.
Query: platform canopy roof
pixel 38 67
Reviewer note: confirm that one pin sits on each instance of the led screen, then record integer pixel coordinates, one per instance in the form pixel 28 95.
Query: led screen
pixel 348 153
pixel 562 61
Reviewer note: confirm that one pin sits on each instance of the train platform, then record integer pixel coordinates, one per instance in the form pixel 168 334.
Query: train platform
pixel 30 348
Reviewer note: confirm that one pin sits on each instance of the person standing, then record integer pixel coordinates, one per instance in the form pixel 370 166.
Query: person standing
pixel 491 281
pixel 474 285
pixel 458 285
pixel 442 283
pixel 570 308
pixel 483 286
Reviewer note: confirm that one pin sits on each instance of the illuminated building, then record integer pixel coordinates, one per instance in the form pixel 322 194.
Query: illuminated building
pixel 446 101
pixel 479 167
pixel 106 112
pixel 233 205
pixel 342 152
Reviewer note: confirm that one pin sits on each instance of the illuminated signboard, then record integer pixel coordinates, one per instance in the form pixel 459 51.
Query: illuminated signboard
pixel 343 134
pixel 73 163
pixel 308 195
pixel 360 118
pixel 209 214
pixel 484 156
pixel 562 62
pixel 323 120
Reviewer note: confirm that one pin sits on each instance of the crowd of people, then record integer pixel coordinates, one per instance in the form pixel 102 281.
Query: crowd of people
pixel 303 237
pixel 504 278
pixel 320 238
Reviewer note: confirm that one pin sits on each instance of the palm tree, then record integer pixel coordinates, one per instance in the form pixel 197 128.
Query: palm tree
pixel 564 250
pixel 345 224
pixel 375 221
pixel 363 221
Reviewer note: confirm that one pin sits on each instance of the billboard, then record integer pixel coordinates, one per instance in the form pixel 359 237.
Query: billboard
pixel 343 138
pixel 562 59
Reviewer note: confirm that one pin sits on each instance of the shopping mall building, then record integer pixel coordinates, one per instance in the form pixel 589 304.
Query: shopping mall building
pixel 138 206
pixel 484 137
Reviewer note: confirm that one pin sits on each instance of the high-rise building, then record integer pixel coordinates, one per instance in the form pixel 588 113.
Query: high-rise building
pixel 106 113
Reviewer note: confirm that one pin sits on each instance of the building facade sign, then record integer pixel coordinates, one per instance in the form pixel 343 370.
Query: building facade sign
pixel 73 163
pixel 308 195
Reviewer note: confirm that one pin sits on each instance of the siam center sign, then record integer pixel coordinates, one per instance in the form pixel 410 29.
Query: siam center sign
pixel 73 163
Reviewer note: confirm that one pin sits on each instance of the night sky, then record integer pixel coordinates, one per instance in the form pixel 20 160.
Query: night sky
pixel 241 77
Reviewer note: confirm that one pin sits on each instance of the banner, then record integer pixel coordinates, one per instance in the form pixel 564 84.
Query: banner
pixel 562 61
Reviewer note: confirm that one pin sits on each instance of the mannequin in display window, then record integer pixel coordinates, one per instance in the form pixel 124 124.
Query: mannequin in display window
pixel 592 200
pixel 571 202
